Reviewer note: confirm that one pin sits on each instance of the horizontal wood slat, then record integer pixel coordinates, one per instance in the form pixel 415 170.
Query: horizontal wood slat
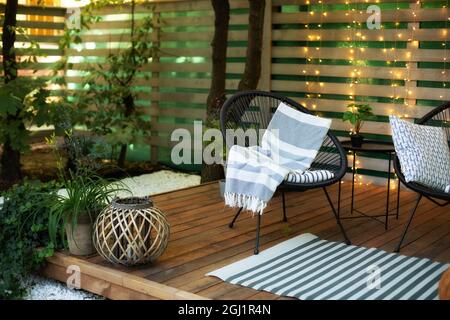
pixel 164 52
pixel 376 54
pixel 342 16
pixel 382 109
pixel 206 20
pixel 361 72
pixel 176 6
pixel 305 2
pixel 169 36
pixel 361 89
pixel 39 24
pixel 363 35
pixel 38 10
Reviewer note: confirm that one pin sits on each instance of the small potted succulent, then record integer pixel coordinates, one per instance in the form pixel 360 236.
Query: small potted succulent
pixel 73 210
pixel 356 115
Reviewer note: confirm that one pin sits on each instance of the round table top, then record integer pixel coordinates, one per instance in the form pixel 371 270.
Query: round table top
pixel 369 145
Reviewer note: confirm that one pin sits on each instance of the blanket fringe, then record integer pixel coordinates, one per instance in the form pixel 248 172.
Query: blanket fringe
pixel 245 202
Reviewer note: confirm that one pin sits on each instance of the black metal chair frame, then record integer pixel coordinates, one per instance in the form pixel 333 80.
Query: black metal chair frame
pixel 235 107
pixel 436 196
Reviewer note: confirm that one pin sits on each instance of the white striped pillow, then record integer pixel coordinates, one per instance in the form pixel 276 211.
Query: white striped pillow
pixel 309 176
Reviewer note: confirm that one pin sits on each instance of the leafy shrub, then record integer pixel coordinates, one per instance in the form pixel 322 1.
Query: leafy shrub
pixel 86 194
pixel 357 114
pixel 23 229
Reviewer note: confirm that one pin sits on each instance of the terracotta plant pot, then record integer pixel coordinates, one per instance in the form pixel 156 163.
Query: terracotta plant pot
pixel 80 238
pixel 357 140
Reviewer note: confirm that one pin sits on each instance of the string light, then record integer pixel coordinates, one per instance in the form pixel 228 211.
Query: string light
pixel 443 72
pixel 317 72
pixel 414 44
pixel 306 50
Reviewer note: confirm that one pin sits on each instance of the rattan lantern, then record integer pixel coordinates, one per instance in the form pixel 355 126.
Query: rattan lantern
pixel 131 231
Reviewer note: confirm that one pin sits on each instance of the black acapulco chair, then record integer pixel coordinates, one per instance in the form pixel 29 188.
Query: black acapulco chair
pixel 254 109
pixel 438 117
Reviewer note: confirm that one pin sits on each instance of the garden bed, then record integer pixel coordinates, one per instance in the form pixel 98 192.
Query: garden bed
pixel 41 288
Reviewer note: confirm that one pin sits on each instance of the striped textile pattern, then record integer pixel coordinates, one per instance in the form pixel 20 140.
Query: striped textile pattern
pixel 309 176
pixel 290 144
pixel 308 268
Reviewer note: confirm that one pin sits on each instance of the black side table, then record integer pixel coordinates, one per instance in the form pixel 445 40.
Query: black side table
pixel 376 147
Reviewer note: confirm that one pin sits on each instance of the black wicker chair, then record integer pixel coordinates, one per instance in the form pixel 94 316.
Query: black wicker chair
pixel 254 109
pixel 439 117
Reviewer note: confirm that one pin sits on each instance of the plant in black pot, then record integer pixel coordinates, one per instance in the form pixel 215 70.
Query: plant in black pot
pixel 356 115
pixel 74 209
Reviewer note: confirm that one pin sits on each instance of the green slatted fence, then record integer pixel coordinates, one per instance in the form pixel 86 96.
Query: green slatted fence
pixel 321 54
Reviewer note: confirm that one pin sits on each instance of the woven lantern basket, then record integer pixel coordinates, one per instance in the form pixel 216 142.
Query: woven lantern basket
pixel 131 231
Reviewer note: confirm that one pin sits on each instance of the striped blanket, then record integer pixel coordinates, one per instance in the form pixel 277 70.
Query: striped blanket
pixel 288 147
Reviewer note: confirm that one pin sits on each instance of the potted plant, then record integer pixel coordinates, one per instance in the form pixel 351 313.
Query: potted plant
pixel 356 115
pixel 74 209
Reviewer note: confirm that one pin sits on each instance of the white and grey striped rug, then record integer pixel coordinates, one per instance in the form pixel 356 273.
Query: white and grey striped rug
pixel 309 268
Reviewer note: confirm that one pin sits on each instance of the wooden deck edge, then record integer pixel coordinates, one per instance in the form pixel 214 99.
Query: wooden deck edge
pixel 112 284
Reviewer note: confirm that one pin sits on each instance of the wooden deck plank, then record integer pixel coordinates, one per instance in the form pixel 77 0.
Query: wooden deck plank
pixel 244 231
pixel 197 272
pixel 181 257
pixel 201 240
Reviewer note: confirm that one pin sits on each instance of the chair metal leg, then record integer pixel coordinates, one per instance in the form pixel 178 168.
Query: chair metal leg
pixel 258 225
pixel 338 220
pixel 235 217
pixel 284 207
pixel 398 197
pixel 407 225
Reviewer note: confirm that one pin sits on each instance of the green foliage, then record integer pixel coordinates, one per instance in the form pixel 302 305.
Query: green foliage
pixel 106 105
pixel 357 114
pixel 23 225
pixel 85 194
pixel 108 99
pixel 83 152
pixel 23 103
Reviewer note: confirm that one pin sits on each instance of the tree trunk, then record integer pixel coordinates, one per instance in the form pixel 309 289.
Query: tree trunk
pixel 216 96
pixel 128 102
pixel 252 71
pixel 10 159
pixel 8 40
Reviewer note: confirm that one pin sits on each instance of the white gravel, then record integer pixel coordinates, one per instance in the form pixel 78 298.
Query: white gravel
pixel 40 288
pixel 160 181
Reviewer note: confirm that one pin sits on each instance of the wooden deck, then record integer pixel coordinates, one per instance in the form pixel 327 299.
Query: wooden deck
pixel 201 241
